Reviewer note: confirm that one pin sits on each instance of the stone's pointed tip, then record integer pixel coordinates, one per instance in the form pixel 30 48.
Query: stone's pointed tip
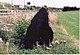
pixel 45 7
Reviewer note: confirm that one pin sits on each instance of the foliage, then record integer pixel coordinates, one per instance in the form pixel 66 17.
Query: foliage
pixel 67 8
pixel 1 6
pixel 16 7
pixel 9 6
pixel 28 3
pixel 20 29
pixel 3 35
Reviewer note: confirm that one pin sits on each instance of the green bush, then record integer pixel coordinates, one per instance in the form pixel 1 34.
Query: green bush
pixel 20 29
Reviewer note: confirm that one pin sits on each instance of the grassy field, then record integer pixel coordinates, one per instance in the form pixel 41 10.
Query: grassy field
pixel 69 20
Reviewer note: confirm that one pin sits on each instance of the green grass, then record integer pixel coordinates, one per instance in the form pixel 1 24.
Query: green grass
pixel 70 20
pixel 57 49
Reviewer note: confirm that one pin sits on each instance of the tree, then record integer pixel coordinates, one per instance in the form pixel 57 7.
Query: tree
pixel 28 3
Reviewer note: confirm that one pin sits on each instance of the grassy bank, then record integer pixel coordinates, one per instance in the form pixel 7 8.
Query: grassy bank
pixel 70 20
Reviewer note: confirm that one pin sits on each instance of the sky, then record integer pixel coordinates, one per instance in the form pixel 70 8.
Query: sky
pixel 49 3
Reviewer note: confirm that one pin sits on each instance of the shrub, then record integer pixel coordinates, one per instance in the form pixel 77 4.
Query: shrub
pixel 20 28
